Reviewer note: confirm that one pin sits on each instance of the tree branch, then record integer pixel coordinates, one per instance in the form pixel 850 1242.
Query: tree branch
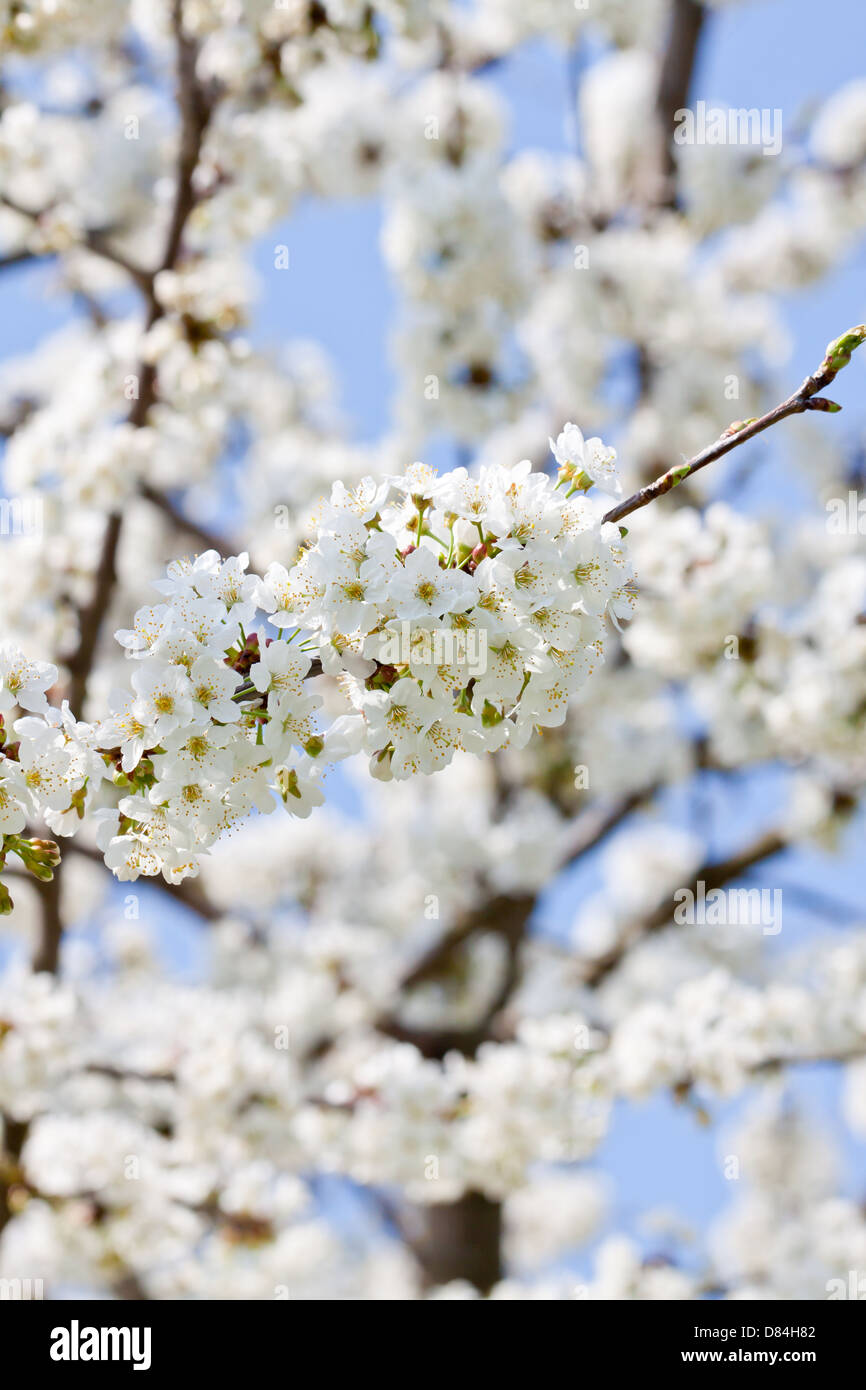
pixel 597 823
pixel 838 355
pixel 713 874
pixel 94 239
pixel 21 257
pixel 686 26
pixel 47 956
pixel 91 614
pixel 195 113
pixel 209 540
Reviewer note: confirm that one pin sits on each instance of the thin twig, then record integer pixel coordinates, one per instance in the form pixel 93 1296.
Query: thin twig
pixel 94 239
pixel 838 355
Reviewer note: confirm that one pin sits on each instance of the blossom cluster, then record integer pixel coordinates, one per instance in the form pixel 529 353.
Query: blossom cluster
pixel 457 614
pixel 49 772
pixel 460 612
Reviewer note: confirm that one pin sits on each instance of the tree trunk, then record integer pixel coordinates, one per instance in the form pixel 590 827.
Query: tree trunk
pixel 461 1240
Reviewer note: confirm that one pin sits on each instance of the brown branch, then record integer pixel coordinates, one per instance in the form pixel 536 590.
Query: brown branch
pixel 195 110
pixel 47 954
pixel 190 894
pixel 509 911
pixel 436 1042
pixel 91 614
pixel 503 913
pixel 686 26
pixel 195 113
pixel 838 355
pixel 13 1135
pixel 129 1286
pixel 113 1073
pixel 96 242
pixel 684 1087
pixel 712 875
pixel 507 915
pixel 14 258
pixel 209 540
pixel 597 823
pixel 95 239
pixel 806 1059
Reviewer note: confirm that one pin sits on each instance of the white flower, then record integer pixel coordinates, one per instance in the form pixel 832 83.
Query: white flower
pixel 13 798
pixel 23 682
pixel 423 589
pixel 213 684
pixel 165 699
pixel 362 502
pixel 124 730
pixel 290 723
pixel 191 803
pixel 280 670
pixel 147 628
pixel 298 784
pixel 442 644
pixel 596 565
pixel 290 597
pixel 589 457
pixel 227 582
pixel 520 503
pixel 400 717
pixel 201 753
pixel 46 765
